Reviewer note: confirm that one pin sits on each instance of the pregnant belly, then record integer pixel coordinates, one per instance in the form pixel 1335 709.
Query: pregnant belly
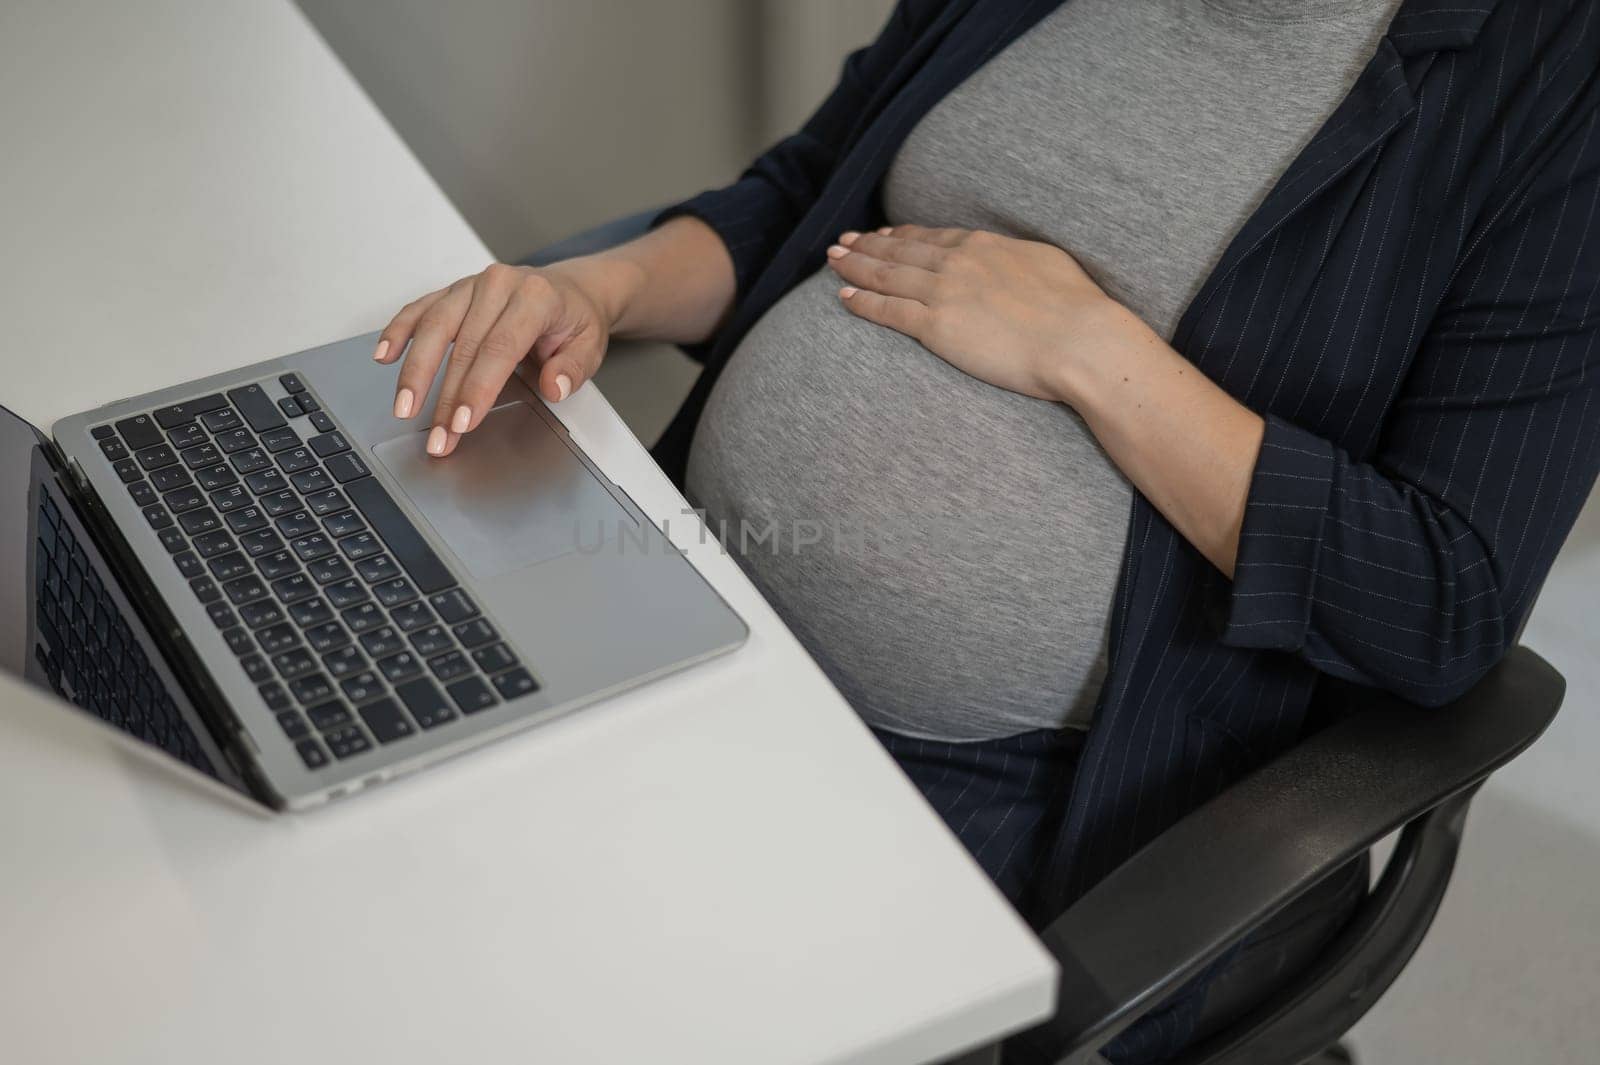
pixel 946 550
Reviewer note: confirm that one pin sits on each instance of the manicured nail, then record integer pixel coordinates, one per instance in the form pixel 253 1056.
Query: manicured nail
pixel 461 419
pixel 838 251
pixel 885 231
pixel 563 386
pixel 383 349
pixel 402 403
pixel 436 441
pixel 849 237
pixel 848 291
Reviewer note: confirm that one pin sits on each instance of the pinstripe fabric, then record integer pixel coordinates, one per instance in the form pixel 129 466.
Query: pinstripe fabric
pixel 1413 309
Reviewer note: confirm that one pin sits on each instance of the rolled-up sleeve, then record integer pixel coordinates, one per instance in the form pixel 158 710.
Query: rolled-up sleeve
pixel 1412 570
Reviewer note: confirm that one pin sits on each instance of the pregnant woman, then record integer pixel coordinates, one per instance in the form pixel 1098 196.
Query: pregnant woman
pixel 1090 385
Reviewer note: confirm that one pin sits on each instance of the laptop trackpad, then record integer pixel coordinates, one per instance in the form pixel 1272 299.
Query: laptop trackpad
pixel 511 495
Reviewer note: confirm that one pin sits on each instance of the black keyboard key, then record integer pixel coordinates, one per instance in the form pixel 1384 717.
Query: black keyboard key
pixel 273 695
pixel 291 383
pixel 247 520
pixel 329 444
pixel 296 459
pixel 387 721
pixel 312 547
pixel 294 663
pixel 173 540
pixel 344 661
pixel 156 458
pixel 328 570
pixel 182 500
pixel 222 616
pixel 426 703
pixel 157 516
pixel 450 665
pixel 431 641
pixel 113 450
pixel 199 522
pixel 330 715
pixel 313 688
pixel 377 570
pixel 394 592
pixel 265 612
pixel 234 440
pixel 205 589
pixel 256 668
pixel 139 431
pixel 227 567
pixel 141 493
pixel 324 503
pixel 171 477
pixel 494 658
pixel 471 694
pixel 347 742
pixel 346 467
pixel 380 643
pixel 400 667
pixel 321 422
pixel 276 639
pixel 281 502
pixel 238 641
pixel 475 633
pixel 309 612
pixel 362 617
pixel 290 406
pixel 100 432
pixel 261 542
pixel 186 436
pixel 294 726
pixel 293 588
pixel 201 455
pixel 453 606
pixel 345 523
pixel 213 544
pixel 252 460
pixel 245 589
pixel 211 478
pixel 312 754
pixel 222 421
pixel 326 637
pixel 360 546
pixel 308 402
pixel 280 439
pixel 189 563
pixel 309 482
pixel 127 470
pixel 515 683
pixel 396 529
pixel 277 564
pixel 179 413
pixel 231 498
pixel 412 616
pixel 299 523
pixel 256 408
pixel 343 593
pixel 362 687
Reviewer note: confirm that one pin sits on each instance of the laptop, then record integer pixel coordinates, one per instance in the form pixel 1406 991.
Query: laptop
pixel 263 575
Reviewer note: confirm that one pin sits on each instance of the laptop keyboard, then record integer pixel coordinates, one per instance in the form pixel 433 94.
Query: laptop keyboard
pixel 351 627
pixel 89 654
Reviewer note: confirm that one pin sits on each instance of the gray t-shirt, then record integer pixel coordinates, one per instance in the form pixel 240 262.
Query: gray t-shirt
pixel 948 550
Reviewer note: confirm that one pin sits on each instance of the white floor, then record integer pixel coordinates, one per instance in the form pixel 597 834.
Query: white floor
pixel 1510 972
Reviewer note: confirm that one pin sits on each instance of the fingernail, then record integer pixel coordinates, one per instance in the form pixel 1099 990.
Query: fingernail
pixel 885 231
pixel 847 291
pixel 402 403
pixel 838 251
pixel 848 237
pixel 461 419
pixel 436 441
pixel 383 349
pixel 563 386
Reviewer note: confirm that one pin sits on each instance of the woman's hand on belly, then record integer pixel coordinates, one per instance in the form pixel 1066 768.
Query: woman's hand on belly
pixel 1024 316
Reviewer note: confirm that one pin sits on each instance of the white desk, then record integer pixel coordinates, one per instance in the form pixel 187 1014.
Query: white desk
pixel 722 867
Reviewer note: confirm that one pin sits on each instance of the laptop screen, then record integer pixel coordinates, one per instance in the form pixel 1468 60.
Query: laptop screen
pixel 68 626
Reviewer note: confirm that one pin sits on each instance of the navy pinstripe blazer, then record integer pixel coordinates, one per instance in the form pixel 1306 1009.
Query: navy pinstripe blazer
pixel 1413 309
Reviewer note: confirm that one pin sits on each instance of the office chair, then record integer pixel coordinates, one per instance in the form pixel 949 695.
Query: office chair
pixel 1242 858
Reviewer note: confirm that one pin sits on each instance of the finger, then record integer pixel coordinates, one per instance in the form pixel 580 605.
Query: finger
pixel 896 249
pixel 392 341
pixel 944 238
pixel 441 441
pixel 491 291
pixel 881 276
pixel 435 330
pixel 566 371
pixel 903 315
pixel 514 334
